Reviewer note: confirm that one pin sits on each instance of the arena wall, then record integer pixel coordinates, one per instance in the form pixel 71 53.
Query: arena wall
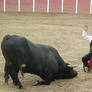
pixel 54 6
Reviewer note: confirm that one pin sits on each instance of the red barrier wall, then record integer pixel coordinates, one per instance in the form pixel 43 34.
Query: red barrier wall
pixel 26 5
pixel 11 5
pixel 1 5
pixel 84 6
pixel 41 5
pixel 55 6
pixel 69 6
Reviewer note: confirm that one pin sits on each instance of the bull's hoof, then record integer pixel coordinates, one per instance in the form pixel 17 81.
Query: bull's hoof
pixel 6 82
pixel 20 87
pixel 6 79
pixel 42 83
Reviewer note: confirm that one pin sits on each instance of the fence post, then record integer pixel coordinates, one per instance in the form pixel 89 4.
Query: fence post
pixel 76 10
pixel 4 6
pixel 90 6
pixel 48 4
pixel 62 6
pixel 19 6
pixel 33 5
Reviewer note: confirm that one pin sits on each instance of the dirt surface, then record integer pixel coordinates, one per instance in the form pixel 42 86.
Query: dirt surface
pixel 62 31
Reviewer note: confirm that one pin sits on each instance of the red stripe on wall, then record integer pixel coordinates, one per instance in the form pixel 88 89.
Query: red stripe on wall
pixel 11 5
pixel 0 5
pixel 69 6
pixel 26 5
pixel 40 5
pixel 84 6
pixel 55 5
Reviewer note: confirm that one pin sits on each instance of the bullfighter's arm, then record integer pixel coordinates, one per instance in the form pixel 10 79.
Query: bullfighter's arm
pixel 84 34
pixel 86 37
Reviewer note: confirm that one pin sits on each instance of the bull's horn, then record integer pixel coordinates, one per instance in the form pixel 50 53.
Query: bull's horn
pixel 76 65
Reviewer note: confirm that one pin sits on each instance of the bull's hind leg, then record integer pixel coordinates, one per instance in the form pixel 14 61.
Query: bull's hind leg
pixel 7 63
pixel 6 70
pixel 14 76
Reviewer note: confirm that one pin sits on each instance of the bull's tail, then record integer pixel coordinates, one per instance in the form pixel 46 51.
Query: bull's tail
pixel 21 67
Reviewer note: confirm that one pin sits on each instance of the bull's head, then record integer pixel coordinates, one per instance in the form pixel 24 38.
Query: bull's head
pixel 67 72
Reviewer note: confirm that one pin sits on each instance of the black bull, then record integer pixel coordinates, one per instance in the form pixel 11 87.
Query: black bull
pixel 42 60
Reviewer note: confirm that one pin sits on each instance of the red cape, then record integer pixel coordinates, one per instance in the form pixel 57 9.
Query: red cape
pixel 90 63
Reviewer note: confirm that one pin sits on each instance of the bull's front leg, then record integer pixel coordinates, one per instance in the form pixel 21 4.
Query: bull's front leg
pixel 14 76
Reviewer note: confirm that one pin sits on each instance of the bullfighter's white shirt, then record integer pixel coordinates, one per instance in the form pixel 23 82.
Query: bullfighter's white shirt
pixel 86 37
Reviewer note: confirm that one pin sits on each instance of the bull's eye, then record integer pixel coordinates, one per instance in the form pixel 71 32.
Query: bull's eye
pixel 69 69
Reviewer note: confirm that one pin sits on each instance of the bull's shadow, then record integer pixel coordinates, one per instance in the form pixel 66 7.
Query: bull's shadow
pixel 28 57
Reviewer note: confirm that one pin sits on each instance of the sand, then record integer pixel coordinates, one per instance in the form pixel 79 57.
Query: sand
pixel 62 31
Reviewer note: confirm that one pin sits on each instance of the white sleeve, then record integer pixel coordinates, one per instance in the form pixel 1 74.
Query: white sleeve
pixel 85 36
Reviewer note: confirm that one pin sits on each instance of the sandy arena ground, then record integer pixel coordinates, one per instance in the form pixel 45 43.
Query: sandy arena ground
pixel 62 31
